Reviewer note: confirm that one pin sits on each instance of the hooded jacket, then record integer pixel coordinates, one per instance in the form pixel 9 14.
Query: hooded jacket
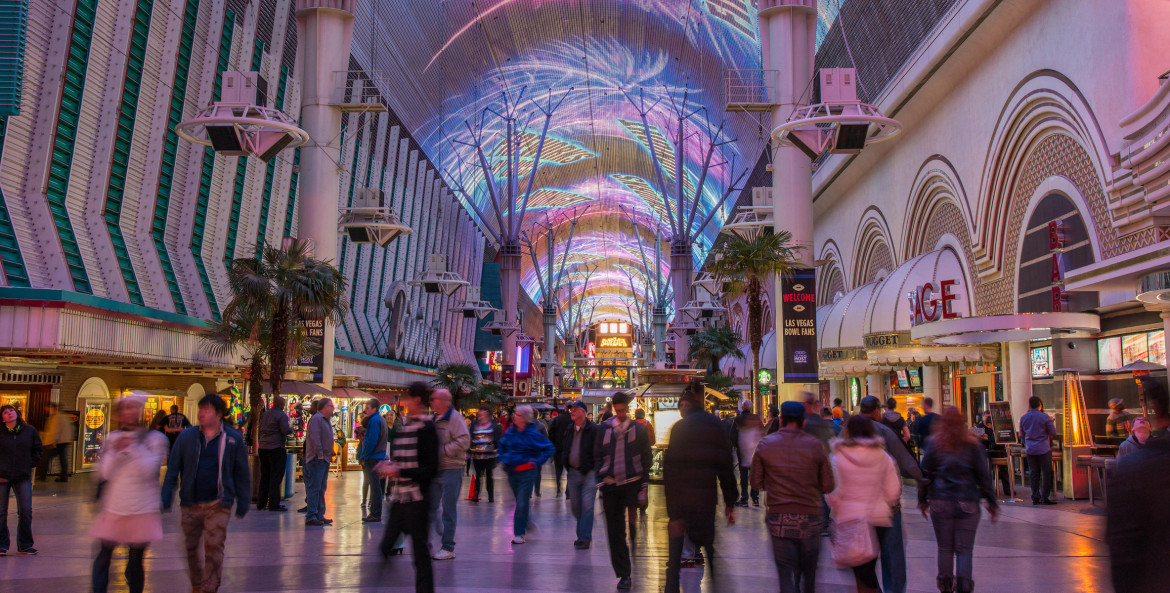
pixel 518 447
pixel 20 451
pixel 867 481
pixel 274 429
pixel 235 477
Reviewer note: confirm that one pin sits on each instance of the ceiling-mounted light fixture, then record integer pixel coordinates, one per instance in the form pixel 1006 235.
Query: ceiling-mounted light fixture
pixel 436 279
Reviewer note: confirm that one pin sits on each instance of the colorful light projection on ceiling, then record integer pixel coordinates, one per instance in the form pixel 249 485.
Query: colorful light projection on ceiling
pixel 459 58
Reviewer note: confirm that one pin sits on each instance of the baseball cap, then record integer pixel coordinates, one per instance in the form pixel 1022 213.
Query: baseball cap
pixel 869 403
pixel 792 411
pixel 578 404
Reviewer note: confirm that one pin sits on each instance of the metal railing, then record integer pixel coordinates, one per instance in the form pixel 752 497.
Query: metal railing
pixel 744 87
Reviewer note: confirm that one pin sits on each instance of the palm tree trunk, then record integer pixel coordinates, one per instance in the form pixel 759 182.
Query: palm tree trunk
pixel 255 403
pixel 755 335
pixel 278 346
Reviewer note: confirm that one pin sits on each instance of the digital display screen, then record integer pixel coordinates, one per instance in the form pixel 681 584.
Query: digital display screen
pixel 1134 347
pixel 915 378
pixel 1109 354
pixel 1157 348
pixel 1041 361
pixel 903 381
pixel 523 356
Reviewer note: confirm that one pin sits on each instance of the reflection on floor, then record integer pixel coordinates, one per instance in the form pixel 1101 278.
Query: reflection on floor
pixel 1030 550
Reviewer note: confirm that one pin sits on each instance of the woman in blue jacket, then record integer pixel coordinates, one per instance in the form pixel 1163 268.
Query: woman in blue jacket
pixel 523 449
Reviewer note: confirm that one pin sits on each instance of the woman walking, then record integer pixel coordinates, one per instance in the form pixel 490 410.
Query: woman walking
pixel 956 474
pixel 485 439
pixel 521 450
pixel 129 496
pixel 20 452
pixel 867 489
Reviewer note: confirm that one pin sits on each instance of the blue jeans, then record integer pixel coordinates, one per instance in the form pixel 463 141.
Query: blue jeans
pixel 316 473
pixel 582 489
pixel 796 562
pixel 521 484
pixel 955 524
pixel 893 556
pixel 445 490
pixel 374 483
pixel 23 490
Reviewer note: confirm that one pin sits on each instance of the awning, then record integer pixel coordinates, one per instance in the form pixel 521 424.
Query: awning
pixel 914 355
pixel 730 366
pixel 889 307
pixel 843 368
pixel 1007 328
pixel 716 395
pixel 768 351
pixel 840 325
pixel 350 392
pixel 152 392
pixel 299 388
pixel 658 390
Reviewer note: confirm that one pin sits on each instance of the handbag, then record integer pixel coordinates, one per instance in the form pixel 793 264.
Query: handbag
pixel 853 543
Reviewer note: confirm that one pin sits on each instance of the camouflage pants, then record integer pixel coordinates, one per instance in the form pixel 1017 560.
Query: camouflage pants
pixel 205 524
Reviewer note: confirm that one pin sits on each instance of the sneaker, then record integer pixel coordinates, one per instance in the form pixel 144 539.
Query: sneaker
pixel 372 519
pixel 742 503
pixel 519 539
pixel 581 544
pixel 625 584
pixel 28 551
pixel 444 555
pixel 3 553
pixel 314 522
pixel 327 521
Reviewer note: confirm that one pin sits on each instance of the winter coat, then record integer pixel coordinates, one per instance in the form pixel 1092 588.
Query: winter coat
pixel 20 451
pixel 560 425
pixel 1138 518
pixel 274 429
pixel 235 477
pixel 956 475
pixel 589 433
pixel 867 481
pixel 130 476
pixel 454 439
pixel 518 447
pixel 697 466
pixel 792 467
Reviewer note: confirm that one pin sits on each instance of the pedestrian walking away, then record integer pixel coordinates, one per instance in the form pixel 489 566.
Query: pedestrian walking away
pixel 273 432
pixel 793 468
pixel 20 452
pixel 372 452
pixel 621 451
pixel 556 433
pixel 209 468
pixel 318 456
pixel 129 499
pixel 867 489
pixel 580 465
pixel 60 432
pixel 523 448
pixel 696 468
pixel 485 439
pixel 413 463
pixel 746 433
pixel 454 441
pixel 176 423
pixel 955 468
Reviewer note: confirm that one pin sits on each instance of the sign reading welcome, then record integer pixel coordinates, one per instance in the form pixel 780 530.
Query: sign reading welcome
pixel 799 309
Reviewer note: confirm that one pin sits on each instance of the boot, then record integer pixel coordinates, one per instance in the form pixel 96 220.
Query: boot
pixel 945 584
pixel 964 585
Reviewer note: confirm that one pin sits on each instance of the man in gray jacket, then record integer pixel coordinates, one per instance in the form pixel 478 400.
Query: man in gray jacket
pixel 274 429
pixel 454 440
pixel 893 550
pixel 318 455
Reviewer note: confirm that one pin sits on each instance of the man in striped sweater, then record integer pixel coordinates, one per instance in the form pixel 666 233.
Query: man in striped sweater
pixel 414 461
pixel 622 453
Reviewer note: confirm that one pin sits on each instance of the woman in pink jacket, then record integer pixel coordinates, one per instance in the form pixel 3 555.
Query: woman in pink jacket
pixel 868 486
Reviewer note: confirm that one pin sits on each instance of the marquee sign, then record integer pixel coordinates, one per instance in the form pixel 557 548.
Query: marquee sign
pixel 614 343
pixel 933 302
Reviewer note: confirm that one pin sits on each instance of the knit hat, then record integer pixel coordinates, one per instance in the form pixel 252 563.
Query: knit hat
pixel 792 411
pixel 838 413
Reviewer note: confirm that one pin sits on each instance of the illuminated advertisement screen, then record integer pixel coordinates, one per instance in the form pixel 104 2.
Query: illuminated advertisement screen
pixel 1042 361
pixel 1157 348
pixel 1109 354
pixel 1133 348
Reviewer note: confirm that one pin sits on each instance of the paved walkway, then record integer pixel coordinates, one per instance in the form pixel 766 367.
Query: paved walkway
pixel 1030 550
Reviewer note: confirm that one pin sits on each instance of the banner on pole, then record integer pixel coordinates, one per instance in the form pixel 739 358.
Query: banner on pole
pixel 799 309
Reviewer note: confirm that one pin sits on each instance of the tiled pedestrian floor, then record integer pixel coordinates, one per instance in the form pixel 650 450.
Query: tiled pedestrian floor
pixel 1056 549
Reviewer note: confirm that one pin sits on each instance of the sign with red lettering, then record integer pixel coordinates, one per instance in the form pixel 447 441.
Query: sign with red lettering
pixel 1056 244
pixel 933 301
pixel 798 302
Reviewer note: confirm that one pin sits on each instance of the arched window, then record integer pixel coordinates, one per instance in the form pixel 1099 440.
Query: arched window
pixel 1039 263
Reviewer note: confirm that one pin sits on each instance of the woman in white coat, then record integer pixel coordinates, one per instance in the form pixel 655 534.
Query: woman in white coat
pixel 868 486
pixel 129 496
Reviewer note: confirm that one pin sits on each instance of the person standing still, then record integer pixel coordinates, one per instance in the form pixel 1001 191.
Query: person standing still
pixel 696 468
pixel 413 463
pixel 622 453
pixel 371 453
pixel 176 423
pixel 793 468
pixel 58 440
pixel 274 430
pixel 128 466
pixel 20 452
pixel 454 440
pixel 318 456
pixel 556 433
pixel 579 463
pixel 1039 430
pixel 209 467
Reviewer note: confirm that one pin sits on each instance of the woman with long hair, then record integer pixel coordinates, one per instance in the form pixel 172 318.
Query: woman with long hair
pixel 485 439
pixel 955 467
pixel 130 496
pixel 868 486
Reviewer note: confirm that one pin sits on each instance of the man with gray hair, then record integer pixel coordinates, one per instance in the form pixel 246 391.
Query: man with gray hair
pixel 318 455
pixel 454 440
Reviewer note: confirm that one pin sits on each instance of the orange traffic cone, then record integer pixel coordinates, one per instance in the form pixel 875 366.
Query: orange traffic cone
pixel 471 490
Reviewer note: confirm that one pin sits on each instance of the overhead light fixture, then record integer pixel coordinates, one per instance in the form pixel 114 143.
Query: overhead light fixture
pixel 436 279
pixel 472 307
pixel 503 328
pixel 840 123
pixel 370 220
pixel 240 123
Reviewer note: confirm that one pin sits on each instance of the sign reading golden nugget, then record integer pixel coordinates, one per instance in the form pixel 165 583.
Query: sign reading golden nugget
pixel 614 343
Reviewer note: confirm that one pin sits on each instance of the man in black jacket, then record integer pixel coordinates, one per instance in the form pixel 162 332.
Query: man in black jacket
pixel 575 454
pixel 1138 528
pixel 414 461
pixel 556 433
pixel 696 467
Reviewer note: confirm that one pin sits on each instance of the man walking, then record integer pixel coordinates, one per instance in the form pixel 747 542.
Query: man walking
pixel 794 469
pixel 696 467
pixel 318 455
pixel 57 440
pixel 922 428
pixel 274 430
pixel 556 433
pixel 745 435
pixel 454 440
pixel 622 452
pixel 176 423
pixel 373 452
pixel 893 550
pixel 1039 430
pixel 576 453
pixel 209 466
pixel 414 461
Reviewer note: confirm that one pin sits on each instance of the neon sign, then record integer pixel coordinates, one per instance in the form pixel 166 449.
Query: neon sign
pixel 614 343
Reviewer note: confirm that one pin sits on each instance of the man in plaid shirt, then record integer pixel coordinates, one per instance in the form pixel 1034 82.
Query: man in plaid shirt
pixel 414 460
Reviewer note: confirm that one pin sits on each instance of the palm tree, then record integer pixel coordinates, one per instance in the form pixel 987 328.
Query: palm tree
pixel 743 264
pixel 719 382
pixel 709 346
pixel 458 378
pixel 291 286
pixel 246 327
pixel 489 395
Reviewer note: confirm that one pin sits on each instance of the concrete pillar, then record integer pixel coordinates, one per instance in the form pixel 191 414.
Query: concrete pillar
pixel 1019 377
pixel 932 384
pixel 875 385
pixel 510 294
pixel 324 33
pixel 681 275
